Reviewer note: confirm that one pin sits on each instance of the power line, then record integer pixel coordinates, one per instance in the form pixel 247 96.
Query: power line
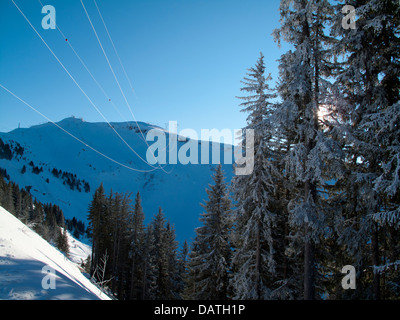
pixel 85 66
pixel 76 83
pixel 116 79
pixel 105 55
pixel 115 49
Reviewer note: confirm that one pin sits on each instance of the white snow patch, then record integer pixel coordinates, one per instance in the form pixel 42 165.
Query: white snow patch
pixel 23 254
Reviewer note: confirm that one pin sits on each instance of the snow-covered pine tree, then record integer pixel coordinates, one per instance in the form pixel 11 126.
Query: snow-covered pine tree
pixel 162 268
pixel 149 267
pixel 160 284
pixel 192 272
pixel 182 268
pixel 96 219
pixel 257 104
pixel 174 277
pixel 210 261
pixel 368 94
pixel 9 204
pixel 38 218
pixel 254 262
pixel 120 243
pixel 62 241
pixel 137 248
pixel 312 160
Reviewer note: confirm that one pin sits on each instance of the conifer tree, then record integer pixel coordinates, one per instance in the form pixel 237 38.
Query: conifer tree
pixel 162 269
pixel 120 242
pixel 149 271
pixel 209 265
pixel 182 268
pixel 38 219
pixel 9 204
pixel 313 158
pixel 174 277
pixel 193 271
pixel 62 241
pixel 255 214
pixel 368 98
pixel 137 249
pixel 97 225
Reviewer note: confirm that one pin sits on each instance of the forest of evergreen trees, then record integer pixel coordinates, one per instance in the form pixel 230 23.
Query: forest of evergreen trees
pixel 324 192
pixel 130 259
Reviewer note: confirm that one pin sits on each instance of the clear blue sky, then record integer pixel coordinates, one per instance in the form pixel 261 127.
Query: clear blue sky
pixel 185 58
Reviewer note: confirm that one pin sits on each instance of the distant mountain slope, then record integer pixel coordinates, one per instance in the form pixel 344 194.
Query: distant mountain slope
pixel 24 254
pixel 58 169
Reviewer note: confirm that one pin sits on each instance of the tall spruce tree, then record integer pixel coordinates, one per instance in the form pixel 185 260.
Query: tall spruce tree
pixel 313 158
pixel 62 241
pixel 137 249
pixel 97 226
pixel 255 214
pixel 174 276
pixel 209 264
pixel 162 270
pixel 182 269
pixel 120 239
pixel 149 268
pixel 368 98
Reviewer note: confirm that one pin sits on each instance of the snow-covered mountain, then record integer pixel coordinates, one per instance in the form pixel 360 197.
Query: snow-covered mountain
pixel 57 168
pixel 32 269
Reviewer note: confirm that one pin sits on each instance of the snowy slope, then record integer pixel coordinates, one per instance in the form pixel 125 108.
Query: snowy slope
pixel 78 251
pixel 24 254
pixel 178 191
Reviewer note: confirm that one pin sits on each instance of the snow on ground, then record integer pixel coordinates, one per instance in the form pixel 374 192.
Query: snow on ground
pixel 24 258
pixel 78 251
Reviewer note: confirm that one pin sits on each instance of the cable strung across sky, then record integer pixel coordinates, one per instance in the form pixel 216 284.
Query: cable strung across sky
pixel 80 88
pixel 113 72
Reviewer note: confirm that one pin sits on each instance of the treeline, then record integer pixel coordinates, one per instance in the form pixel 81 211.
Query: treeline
pixel 130 259
pixel 45 219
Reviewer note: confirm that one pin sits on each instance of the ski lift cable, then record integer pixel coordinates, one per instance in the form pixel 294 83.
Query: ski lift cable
pixel 91 74
pixel 123 68
pixel 87 69
pixel 98 84
pixel 105 55
pixel 80 88
pixel 116 79
pixel 115 49
pixel 76 138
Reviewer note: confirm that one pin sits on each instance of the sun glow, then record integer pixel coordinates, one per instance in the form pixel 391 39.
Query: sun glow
pixel 323 112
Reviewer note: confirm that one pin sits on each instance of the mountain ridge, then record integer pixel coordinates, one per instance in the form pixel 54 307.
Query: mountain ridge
pixel 48 153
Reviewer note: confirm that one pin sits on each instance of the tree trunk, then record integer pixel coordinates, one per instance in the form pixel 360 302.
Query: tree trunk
pixel 133 282
pixel 258 258
pixel 309 275
pixel 375 262
pixel 309 252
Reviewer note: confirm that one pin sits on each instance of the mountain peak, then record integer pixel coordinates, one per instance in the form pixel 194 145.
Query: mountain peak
pixel 72 119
